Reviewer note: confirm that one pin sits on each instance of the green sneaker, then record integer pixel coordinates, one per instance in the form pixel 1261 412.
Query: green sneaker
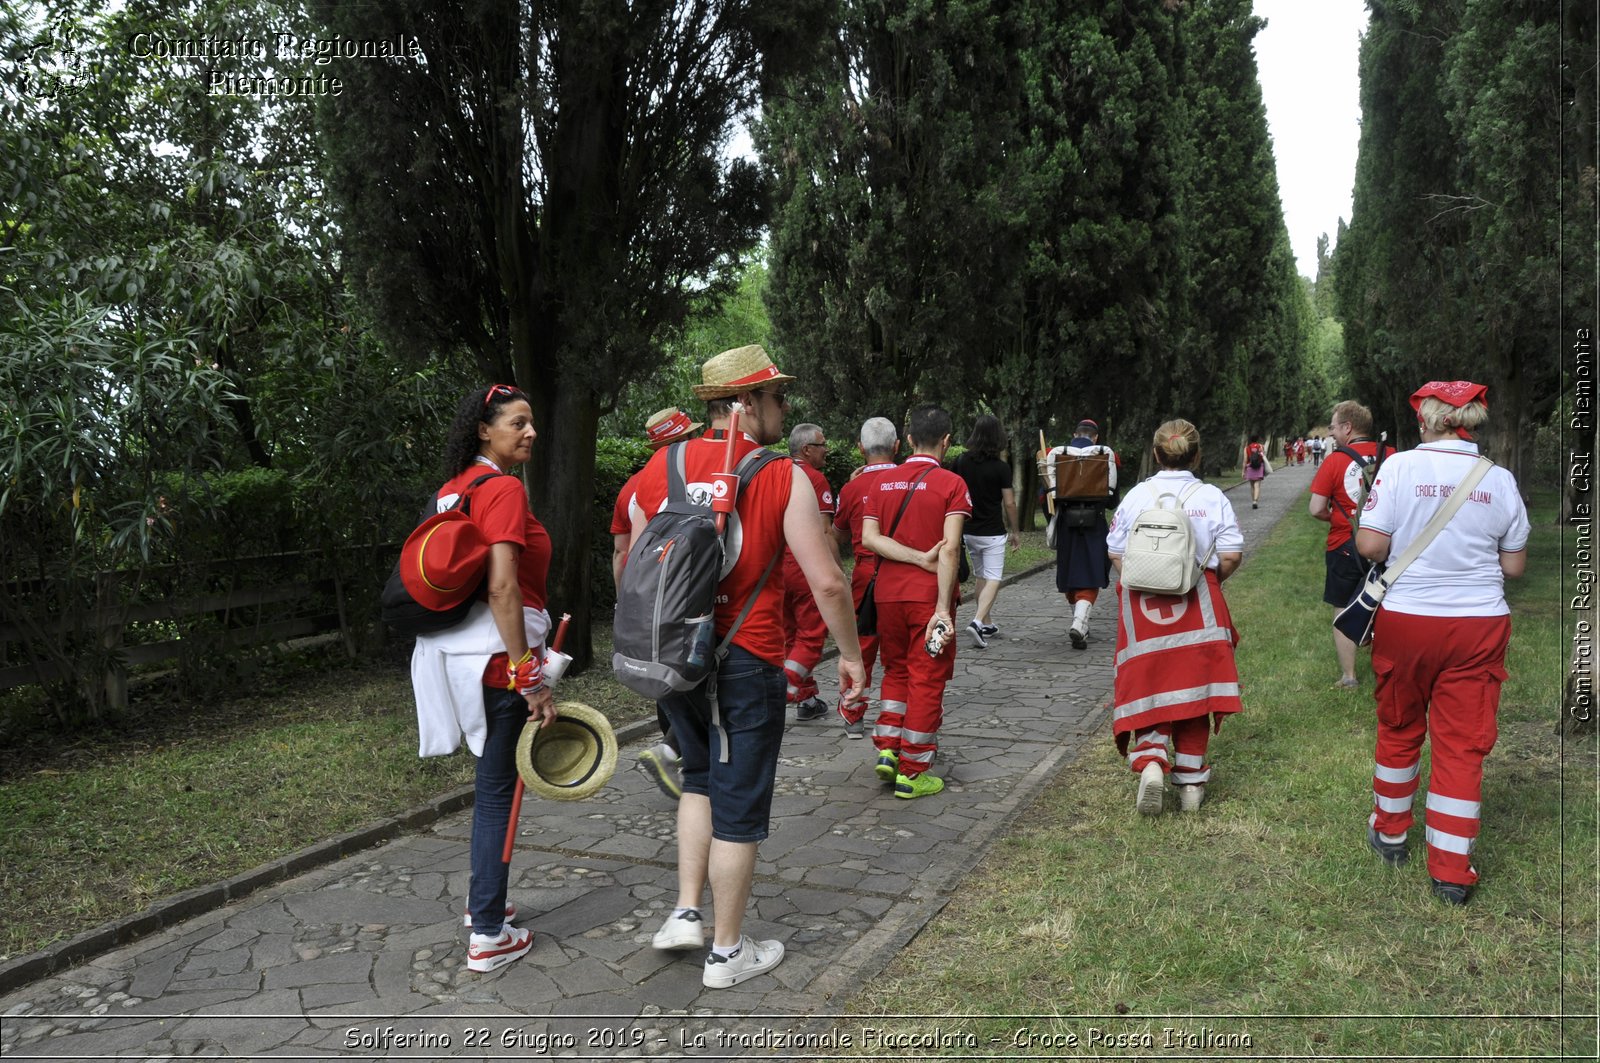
pixel 888 766
pixel 923 785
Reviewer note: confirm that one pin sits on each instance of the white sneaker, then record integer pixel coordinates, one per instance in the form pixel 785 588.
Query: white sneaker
pixel 681 932
pixel 511 914
pixel 750 959
pixel 1190 798
pixel 486 952
pixel 1152 790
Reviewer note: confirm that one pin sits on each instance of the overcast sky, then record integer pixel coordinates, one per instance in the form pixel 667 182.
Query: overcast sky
pixel 1307 59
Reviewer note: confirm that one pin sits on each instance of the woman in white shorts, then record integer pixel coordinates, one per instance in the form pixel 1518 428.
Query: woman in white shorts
pixel 993 522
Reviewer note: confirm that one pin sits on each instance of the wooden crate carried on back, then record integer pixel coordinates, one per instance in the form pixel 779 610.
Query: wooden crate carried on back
pixel 1085 477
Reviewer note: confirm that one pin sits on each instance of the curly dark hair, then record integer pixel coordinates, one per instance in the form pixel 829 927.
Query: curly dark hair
pixel 987 439
pixel 475 408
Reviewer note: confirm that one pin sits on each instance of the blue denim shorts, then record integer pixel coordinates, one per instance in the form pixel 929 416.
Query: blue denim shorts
pixel 750 706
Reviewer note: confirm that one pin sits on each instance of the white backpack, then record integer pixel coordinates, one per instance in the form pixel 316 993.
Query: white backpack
pixel 1159 558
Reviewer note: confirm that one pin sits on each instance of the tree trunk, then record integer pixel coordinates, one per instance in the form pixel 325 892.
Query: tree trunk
pixel 561 488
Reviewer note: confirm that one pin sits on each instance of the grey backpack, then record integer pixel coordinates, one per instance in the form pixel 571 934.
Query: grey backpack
pixel 664 631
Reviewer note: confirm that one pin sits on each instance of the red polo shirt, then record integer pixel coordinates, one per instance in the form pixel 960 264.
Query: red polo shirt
pixel 1338 479
pixel 853 507
pixel 939 494
pixel 500 508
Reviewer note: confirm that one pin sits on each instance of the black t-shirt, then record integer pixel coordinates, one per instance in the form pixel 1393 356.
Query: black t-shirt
pixel 986 478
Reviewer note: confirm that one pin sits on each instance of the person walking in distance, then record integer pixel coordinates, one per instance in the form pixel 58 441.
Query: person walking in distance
pixel 994 518
pixel 803 630
pixel 729 733
pixel 659 761
pixel 878 446
pixel 1338 490
pixel 1256 468
pixel 913 522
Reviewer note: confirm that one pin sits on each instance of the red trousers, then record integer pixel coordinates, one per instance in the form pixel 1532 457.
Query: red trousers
pixel 911 702
pixel 1189 741
pixel 1439 678
pixel 803 632
pixel 859 579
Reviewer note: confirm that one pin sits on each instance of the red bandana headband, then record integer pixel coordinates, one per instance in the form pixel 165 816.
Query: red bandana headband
pixel 1457 393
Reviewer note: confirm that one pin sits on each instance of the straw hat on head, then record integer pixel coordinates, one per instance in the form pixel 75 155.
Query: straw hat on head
pixel 669 426
pixel 739 370
pixel 571 758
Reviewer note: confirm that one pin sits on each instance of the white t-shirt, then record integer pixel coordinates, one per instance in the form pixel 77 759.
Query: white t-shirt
pixel 1210 514
pixel 1459 572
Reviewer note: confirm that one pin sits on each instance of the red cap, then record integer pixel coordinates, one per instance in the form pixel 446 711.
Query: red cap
pixel 444 560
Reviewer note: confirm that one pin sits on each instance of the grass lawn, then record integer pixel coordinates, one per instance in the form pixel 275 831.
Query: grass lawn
pixel 181 795
pixel 1265 914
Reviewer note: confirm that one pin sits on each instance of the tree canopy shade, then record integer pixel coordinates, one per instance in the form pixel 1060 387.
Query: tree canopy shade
pixel 546 189
pixel 1450 267
pixel 1042 207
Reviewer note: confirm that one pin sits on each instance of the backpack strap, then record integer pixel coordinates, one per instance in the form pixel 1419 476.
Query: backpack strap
pixel 462 502
pixel 1206 562
pixel 877 559
pixel 751 464
pixel 677 475
pixel 465 502
pixel 1353 518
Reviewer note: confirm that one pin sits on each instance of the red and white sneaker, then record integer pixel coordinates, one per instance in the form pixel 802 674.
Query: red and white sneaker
pixel 485 953
pixel 511 914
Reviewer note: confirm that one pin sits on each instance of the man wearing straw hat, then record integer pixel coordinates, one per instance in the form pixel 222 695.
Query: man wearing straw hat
pixel 660 761
pixel 729 742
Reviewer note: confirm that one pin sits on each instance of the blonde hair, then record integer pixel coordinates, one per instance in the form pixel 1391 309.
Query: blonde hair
pixel 1177 445
pixel 1441 418
pixel 1357 416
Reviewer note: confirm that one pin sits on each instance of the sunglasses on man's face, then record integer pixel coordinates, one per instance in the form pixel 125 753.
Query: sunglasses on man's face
pixel 780 396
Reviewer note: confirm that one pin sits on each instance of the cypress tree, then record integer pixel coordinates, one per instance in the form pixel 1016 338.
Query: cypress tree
pixel 543 188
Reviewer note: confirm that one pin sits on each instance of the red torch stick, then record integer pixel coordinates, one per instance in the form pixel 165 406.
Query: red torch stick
pixel 516 795
pixel 727 458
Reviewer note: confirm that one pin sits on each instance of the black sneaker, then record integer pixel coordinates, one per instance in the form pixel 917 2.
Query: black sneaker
pixel 975 629
pixel 1392 853
pixel 811 709
pixel 1452 893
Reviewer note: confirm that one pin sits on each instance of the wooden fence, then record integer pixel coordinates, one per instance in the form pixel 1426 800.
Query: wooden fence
pixel 140 617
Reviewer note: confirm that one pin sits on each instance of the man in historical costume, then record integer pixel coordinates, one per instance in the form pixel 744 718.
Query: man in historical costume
pixel 1079 527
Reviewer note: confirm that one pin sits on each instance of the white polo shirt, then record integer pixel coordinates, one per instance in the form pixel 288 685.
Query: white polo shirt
pixel 1210 514
pixel 1458 574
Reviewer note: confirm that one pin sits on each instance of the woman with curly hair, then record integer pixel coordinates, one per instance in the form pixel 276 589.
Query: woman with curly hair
pixel 488 667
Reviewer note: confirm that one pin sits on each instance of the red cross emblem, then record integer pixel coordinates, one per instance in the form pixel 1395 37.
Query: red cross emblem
pixel 1163 609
